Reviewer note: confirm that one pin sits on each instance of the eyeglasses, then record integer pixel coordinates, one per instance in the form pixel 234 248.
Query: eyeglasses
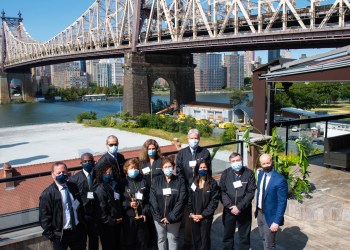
pixel 115 144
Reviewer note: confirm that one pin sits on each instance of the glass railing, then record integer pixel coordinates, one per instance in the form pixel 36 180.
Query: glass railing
pixel 311 132
pixel 19 195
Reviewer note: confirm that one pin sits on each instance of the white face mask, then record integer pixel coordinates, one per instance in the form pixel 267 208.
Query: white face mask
pixel 193 143
pixel 113 149
pixel 236 166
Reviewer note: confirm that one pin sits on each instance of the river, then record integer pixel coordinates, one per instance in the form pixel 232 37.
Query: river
pixel 42 113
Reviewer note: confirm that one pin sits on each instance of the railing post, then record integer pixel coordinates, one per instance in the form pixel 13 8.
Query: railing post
pixel 8 174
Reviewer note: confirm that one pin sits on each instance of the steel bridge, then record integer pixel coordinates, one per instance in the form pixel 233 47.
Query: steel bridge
pixel 110 28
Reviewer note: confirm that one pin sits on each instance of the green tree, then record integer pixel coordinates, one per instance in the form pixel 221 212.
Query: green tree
pixel 238 97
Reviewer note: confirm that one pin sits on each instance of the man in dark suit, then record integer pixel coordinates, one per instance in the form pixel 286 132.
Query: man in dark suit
pixel 237 185
pixel 61 213
pixel 86 182
pixel 187 159
pixel 271 201
pixel 113 157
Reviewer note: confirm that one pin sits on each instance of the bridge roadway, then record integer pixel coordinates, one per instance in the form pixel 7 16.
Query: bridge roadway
pixel 281 24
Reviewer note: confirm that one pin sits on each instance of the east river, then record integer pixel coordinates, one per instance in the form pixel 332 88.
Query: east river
pixel 42 113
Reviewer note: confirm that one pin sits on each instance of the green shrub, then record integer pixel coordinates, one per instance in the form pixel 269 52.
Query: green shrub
pixel 229 133
pixel 85 115
pixel 170 124
pixel 143 120
pixel 187 124
pixel 129 124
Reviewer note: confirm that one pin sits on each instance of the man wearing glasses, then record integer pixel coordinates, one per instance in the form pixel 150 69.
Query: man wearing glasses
pixel 113 157
pixel 86 182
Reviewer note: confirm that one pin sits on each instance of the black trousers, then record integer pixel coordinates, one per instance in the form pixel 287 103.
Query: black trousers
pixel 92 233
pixel 151 232
pixel 201 234
pixel 134 233
pixel 109 236
pixel 244 223
pixel 74 239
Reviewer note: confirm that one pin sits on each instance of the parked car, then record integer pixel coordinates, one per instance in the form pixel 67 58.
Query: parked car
pixel 295 129
pixel 293 138
pixel 318 142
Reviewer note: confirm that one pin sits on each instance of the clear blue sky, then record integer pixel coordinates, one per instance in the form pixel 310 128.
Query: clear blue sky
pixel 44 19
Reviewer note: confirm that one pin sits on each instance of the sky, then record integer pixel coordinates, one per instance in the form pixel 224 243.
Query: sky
pixel 43 19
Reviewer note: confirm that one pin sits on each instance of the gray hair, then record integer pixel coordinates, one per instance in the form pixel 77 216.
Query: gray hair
pixel 193 131
pixel 111 137
pixel 233 155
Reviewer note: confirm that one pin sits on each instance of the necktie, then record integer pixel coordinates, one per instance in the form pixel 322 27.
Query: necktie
pixel 263 193
pixel 89 177
pixel 70 207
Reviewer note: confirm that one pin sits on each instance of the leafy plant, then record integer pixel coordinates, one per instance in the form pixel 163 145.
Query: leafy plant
pixel 85 115
pixel 294 169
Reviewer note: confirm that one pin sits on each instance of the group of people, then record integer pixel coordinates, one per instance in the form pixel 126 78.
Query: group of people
pixel 143 202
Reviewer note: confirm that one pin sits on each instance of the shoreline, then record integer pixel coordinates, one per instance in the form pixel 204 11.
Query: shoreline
pixel 40 143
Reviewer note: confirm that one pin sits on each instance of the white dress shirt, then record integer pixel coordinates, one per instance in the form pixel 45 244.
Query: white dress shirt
pixel 66 214
pixel 268 177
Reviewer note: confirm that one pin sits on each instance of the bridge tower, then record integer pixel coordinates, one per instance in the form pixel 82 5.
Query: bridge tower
pixel 142 70
pixel 23 76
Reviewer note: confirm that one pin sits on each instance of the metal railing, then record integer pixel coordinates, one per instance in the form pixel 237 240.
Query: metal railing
pixel 28 217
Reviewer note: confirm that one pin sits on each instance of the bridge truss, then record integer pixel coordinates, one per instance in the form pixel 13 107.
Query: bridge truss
pixel 116 26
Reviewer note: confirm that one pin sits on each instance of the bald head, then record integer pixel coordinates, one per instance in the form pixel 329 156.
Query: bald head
pixel 266 162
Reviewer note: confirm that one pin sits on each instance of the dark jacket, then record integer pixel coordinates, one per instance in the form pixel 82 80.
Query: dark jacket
pixel 210 200
pixel 108 209
pixel 81 181
pixel 171 206
pixel 117 162
pixel 129 189
pixel 51 210
pixel 183 158
pixel 156 169
pixel 241 197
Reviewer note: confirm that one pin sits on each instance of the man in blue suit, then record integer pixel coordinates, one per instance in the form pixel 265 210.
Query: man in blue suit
pixel 271 201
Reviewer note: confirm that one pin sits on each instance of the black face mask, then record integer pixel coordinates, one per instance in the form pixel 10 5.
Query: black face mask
pixel 267 169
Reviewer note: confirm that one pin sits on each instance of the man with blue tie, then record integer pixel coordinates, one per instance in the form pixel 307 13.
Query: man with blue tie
pixel 271 201
pixel 60 211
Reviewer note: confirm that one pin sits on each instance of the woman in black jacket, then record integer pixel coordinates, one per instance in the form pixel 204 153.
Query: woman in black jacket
pixel 135 205
pixel 204 196
pixel 150 161
pixel 168 197
pixel 108 207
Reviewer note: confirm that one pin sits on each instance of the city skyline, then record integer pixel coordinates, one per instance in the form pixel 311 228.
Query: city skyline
pixel 44 19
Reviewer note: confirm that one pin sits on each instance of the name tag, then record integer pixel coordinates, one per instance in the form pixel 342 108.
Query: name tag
pixel 166 191
pixel 75 204
pixel 237 184
pixel 116 196
pixel 146 170
pixel 192 163
pixel 139 196
pixel 193 187
pixel 90 195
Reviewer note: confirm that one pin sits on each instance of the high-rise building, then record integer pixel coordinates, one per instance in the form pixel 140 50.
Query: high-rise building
pixel 109 72
pixel 248 63
pixel 274 54
pixel 117 72
pixel 91 70
pixel 234 64
pixel 66 75
pixel 104 73
pixel 209 73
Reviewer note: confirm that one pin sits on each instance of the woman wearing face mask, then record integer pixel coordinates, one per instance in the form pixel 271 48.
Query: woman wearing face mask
pixel 135 206
pixel 151 166
pixel 150 160
pixel 203 200
pixel 238 186
pixel 168 196
pixel 108 206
